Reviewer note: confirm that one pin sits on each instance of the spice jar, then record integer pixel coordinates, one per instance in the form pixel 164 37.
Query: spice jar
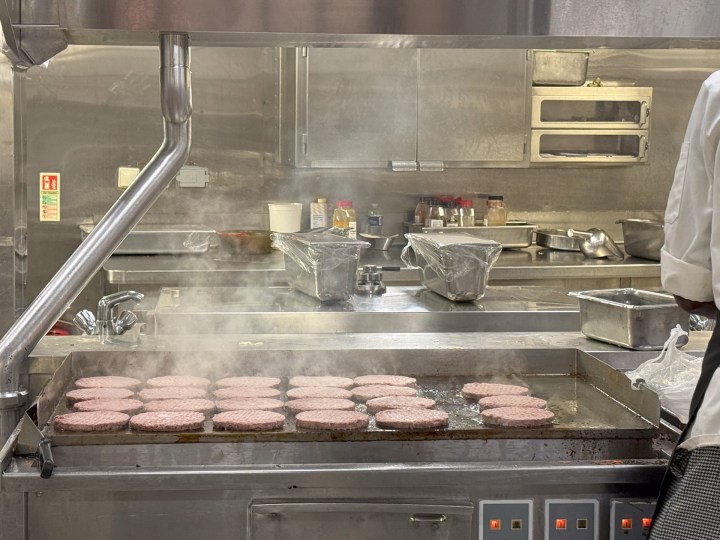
pixel 496 214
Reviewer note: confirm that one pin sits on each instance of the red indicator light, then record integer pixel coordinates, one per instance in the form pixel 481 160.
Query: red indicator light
pixel 626 523
pixel 646 522
pixel 561 524
pixel 495 524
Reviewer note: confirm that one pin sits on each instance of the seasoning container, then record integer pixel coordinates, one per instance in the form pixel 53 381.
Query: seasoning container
pixel 452 219
pixel 466 213
pixel 375 220
pixel 319 214
pixel 436 215
pixel 340 216
pixel 481 208
pixel 421 210
pixel 496 214
pixel 352 220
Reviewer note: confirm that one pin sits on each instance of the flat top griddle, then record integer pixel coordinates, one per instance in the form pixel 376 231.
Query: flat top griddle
pixel 582 401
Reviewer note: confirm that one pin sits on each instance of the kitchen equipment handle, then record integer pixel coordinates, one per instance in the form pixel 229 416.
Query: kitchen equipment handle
pixel 389 268
pixel 644 113
pixel 579 234
pixel 642 147
pixel 47 464
pixel 428 518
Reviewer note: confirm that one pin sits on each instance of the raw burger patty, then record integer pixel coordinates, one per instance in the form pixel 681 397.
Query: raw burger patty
pixel 411 419
pixel 181 392
pixel 255 382
pixel 399 402
pixel 167 421
pixel 248 420
pixel 246 392
pixel 394 380
pixel 180 405
pixel 364 393
pixel 332 420
pixel 319 404
pixel 127 406
pixel 91 421
pixel 110 381
pixel 517 417
pixel 178 380
pixel 336 382
pixel 83 394
pixel 477 390
pixel 318 392
pixel 257 404
pixel 493 402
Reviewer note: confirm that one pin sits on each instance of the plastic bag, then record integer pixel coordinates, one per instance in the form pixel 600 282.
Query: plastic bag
pixel 673 375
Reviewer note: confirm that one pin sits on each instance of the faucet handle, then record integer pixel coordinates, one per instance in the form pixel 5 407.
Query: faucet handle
pixel 85 321
pixel 125 321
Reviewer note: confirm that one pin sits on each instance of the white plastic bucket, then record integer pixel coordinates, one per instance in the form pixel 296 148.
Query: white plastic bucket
pixel 285 217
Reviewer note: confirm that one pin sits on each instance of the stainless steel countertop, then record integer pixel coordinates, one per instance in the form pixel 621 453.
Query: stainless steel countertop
pixel 211 269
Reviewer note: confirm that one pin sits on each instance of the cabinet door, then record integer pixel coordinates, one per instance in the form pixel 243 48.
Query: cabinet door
pixel 361 106
pixel 472 107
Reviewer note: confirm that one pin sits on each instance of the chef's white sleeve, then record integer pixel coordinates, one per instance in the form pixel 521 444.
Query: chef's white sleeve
pixel 686 268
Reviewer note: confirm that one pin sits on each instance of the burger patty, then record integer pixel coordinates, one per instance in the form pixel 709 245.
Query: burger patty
pixel 91 421
pixel 260 382
pixel 398 402
pixel 108 381
pixel 332 420
pixel 258 404
pixel 178 380
pixel 364 393
pixel 493 402
pixel 517 417
pixel 181 392
pixel 296 406
pixel 248 420
pixel 318 392
pixel 478 390
pixel 337 382
pixel 167 421
pixel 411 419
pixel 393 380
pixel 127 406
pixel 246 392
pixel 83 394
pixel 181 405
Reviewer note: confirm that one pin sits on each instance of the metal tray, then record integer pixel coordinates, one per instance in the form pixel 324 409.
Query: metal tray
pixel 160 239
pixel 631 318
pixel 643 238
pixel 557 239
pixel 560 68
pixel 510 236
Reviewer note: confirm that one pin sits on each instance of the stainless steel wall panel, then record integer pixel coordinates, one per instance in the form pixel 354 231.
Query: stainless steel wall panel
pixel 472 105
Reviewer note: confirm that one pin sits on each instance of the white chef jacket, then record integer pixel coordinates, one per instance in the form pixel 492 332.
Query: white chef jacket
pixel 690 258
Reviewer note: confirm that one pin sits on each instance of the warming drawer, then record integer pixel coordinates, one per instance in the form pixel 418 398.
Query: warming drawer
pixel 553 146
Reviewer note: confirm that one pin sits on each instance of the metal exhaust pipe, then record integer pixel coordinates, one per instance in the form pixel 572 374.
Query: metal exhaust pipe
pixel 75 274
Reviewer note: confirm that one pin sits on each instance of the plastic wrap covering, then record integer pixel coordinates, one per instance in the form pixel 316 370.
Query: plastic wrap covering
pixel 321 264
pixel 453 265
pixel 673 375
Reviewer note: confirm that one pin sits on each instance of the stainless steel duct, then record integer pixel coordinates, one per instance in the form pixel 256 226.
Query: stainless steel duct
pixel 63 288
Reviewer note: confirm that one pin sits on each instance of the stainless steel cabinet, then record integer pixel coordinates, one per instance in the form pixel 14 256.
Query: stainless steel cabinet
pixel 406 107
pixel 595 125
pixel 360 520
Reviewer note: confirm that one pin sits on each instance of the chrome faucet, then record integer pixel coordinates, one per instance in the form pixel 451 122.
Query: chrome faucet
pixel 106 324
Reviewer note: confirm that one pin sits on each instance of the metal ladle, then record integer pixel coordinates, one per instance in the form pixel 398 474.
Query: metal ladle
pixel 596 244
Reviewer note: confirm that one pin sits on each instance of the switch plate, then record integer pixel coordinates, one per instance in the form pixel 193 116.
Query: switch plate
pixel 515 517
pixel 630 509
pixel 580 516
pixel 126 176
pixel 192 176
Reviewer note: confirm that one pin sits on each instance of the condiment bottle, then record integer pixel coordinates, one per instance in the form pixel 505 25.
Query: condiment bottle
pixel 421 211
pixel 436 215
pixel 496 214
pixel 340 216
pixel 352 220
pixel 375 220
pixel 451 219
pixel 319 214
pixel 467 213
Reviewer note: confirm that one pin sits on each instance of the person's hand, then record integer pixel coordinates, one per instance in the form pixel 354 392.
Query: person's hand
pixel 706 309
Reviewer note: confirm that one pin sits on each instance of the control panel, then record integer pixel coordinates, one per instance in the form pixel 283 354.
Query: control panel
pixel 506 520
pixel 571 519
pixel 630 519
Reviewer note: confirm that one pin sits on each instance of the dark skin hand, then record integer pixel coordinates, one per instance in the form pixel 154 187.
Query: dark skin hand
pixel 706 309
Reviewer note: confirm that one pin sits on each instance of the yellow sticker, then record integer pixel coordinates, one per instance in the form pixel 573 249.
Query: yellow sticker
pixel 49 196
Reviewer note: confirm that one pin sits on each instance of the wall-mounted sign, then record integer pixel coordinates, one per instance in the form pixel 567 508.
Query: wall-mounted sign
pixel 49 196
